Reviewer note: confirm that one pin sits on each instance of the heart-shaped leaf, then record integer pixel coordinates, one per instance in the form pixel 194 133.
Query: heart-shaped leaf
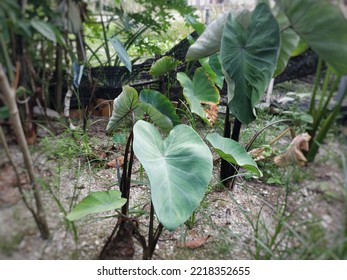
pixel 97 202
pixel 199 91
pixel 209 42
pixel 179 169
pixel 159 108
pixel 163 66
pixel 249 51
pixel 233 152
pixel 123 105
pixel 323 27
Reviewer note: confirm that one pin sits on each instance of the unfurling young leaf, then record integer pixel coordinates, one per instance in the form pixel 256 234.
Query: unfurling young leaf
pixel 163 66
pixel 159 108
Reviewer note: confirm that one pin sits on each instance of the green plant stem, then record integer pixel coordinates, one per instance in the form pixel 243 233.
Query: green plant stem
pixel 326 83
pixel 107 50
pixel 256 232
pixel 255 136
pixel 189 115
pixel 318 139
pixel 321 112
pixel 279 224
pixel 94 54
pixel 312 109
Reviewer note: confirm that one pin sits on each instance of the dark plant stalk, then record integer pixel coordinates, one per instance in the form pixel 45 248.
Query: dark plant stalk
pixel 126 176
pixel 228 170
pixel 150 232
pixel 155 240
pixel 225 165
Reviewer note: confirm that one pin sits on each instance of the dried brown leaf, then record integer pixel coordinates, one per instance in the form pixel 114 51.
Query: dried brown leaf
pixel 196 243
pixel 113 164
pixel 103 107
pixel 212 112
pixel 294 154
pixel 257 153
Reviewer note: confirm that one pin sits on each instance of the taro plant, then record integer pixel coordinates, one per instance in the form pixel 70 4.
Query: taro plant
pixel 161 69
pixel 177 162
pixel 249 44
pixel 254 47
pixel 323 26
pixel 179 167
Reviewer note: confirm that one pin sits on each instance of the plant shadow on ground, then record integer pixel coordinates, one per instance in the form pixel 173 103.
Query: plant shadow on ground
pixel 290 213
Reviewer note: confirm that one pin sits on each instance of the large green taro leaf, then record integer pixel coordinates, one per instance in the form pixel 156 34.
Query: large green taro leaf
pixel 323 27
pixel 179 170
pixel 209 41
pixel 123 106
pixel 289 43
pixel 201 90
pixel 233 152
pixel 97 202
pixel 159 108
pixel 249 51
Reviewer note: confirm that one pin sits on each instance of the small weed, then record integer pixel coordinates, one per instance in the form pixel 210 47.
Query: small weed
pixel 68 146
